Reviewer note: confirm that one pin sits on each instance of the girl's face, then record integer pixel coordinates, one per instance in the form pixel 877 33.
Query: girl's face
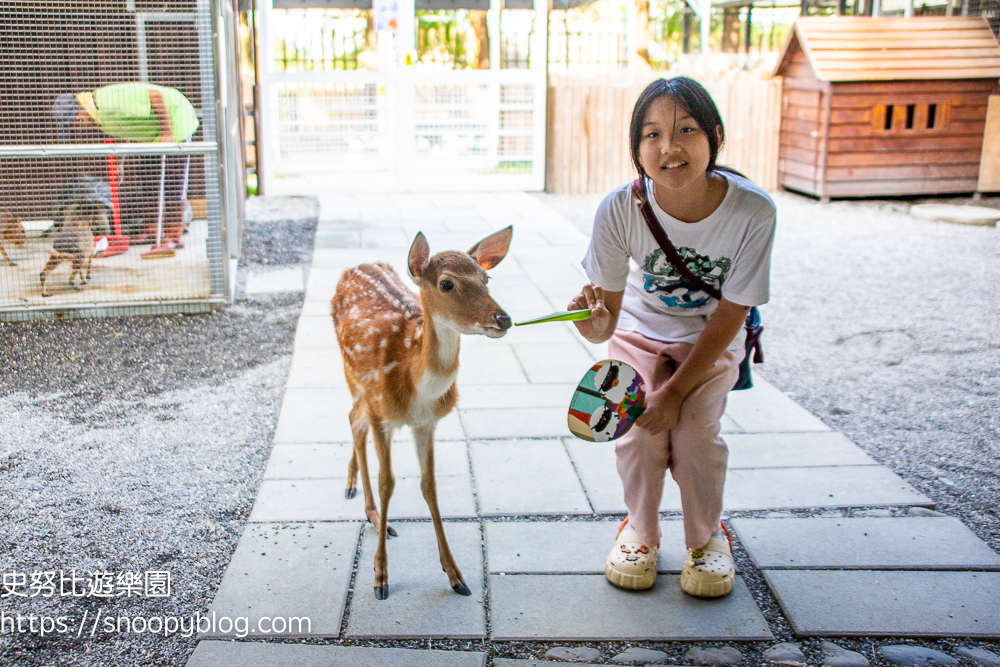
pixel 674 150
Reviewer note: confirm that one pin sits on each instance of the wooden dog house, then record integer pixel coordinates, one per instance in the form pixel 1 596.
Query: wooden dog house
pixel 885 106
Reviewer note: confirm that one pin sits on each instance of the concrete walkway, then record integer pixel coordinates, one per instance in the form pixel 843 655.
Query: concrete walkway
pixel 507 467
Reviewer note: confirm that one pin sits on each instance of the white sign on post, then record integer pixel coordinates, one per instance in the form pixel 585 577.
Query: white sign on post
pixel 386 14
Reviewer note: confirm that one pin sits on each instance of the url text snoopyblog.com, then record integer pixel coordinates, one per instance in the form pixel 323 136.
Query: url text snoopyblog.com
pixel 185 626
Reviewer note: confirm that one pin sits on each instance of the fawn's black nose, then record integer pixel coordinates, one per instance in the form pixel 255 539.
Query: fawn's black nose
pixel 503 321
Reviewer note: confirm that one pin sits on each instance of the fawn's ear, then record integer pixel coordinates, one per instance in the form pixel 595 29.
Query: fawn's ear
pixel 493 248
pixel 420 254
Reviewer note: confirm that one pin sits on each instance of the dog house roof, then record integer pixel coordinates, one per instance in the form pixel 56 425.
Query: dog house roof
pixel 861 48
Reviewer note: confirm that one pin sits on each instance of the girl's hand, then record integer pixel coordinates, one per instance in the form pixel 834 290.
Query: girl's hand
pixel 663 411
pixel 592 297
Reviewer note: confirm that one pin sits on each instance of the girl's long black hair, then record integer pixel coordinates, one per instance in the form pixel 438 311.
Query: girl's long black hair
pixel 691 95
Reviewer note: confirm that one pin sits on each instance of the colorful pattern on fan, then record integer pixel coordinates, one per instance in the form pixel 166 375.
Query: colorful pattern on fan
pixel 607 402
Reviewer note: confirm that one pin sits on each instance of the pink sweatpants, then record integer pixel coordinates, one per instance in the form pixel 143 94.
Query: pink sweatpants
pixel 693 450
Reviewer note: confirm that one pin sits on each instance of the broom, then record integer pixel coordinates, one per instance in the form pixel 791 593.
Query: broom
pixel 158 250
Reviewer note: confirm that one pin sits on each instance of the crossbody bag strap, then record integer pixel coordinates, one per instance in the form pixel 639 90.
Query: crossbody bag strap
pixel 674 257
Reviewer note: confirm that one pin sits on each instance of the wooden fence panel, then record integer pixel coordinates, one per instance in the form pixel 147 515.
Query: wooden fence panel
pixel 588 149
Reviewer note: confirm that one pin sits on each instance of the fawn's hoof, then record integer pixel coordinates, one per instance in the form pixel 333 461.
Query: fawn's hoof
pixel 382 592
pixel 461 588
pixel 351 492
pixel 392 532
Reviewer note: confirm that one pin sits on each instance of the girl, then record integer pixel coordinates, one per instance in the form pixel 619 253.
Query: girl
pixel 686 345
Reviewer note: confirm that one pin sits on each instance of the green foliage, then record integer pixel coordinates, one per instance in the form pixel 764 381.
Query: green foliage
pixel 446 35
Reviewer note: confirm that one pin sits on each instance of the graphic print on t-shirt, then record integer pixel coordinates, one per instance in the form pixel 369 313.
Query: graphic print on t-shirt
pixel 663 280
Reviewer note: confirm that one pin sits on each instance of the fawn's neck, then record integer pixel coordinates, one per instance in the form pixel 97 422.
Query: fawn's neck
pixel 439 346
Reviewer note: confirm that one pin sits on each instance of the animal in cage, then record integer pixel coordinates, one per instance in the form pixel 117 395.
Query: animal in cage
pixel 400 355
pixel 10 231
pixel 79 189
pixel 73 241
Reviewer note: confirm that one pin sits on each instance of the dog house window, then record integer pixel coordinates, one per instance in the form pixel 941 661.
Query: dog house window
pixel 909 117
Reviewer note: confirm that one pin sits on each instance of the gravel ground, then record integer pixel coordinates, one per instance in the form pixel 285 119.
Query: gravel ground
pixel 136 444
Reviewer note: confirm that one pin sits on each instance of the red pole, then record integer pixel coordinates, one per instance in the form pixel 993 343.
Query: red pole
pixel 113 179
pixel 117 243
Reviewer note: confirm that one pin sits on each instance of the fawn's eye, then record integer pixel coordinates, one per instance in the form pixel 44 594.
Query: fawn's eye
pixel 446 285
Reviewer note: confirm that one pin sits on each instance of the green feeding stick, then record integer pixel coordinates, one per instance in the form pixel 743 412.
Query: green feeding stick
pixel 564 316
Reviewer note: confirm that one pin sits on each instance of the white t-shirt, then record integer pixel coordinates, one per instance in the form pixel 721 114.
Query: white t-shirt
pixel 731 248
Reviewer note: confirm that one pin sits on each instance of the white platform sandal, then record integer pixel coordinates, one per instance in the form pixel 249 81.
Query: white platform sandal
pixel 631 564
pixel 708 572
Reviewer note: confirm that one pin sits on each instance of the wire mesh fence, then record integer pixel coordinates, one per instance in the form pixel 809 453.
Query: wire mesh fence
pixel 990 9
pixel 109 161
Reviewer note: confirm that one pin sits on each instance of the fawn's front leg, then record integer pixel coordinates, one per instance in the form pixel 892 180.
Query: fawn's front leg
pixel 424 437
pixel 386 484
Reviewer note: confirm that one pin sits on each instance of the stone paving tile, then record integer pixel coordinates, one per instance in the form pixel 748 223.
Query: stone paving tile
pixel 287 279
pixel 792 450
pixel 729 426
pixel 766 409
pixel 480 397
pixel 488 364
pixel 420 602
pixel 542 422
pixel 873 602
pixel 520 298
pixel 323 499
pixel 322 282
pixel 526 477
pixel 340 238
pixel 550 332
pixel 322 461
pixel 260 654
pixel 315 307
pixel 595 463
pixel 553 362
pixel 310 415
pixel 315 331
pixel 585 607
pixel 527 547
pixel 339 207
pixel 751 489
pixel 386 238
pixel 826 486
pixel 329 263
pixel 865 543
pixel 290 571
pixel 316 367
pixel 304 461
pixel 314 415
